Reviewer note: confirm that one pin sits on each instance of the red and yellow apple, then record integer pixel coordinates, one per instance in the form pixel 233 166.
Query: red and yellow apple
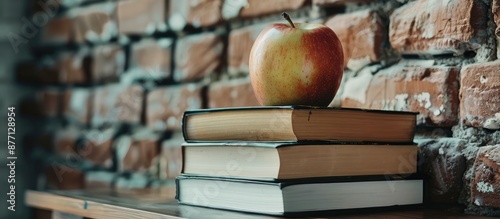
pixel 296 64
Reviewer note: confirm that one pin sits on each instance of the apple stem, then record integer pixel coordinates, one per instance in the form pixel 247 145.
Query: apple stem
pixel 285 15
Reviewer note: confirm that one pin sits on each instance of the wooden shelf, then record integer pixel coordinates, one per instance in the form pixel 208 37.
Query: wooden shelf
pixel 160 203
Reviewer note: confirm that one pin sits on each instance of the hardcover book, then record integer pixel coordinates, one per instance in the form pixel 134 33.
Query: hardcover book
pixel 298 123
pixel 297 196
pixel 287 160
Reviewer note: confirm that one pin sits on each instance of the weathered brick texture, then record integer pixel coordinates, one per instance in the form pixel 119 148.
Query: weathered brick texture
pixel 112 78
pixel 74 68
pixel 329 3
pixel 77 105
pixel 444 165
pixel 150 59
pixel 486 183
pixel 58 30
pixel 43 72
pixel 141 17
pixel 479 95
pixel 240 43
pixel 256 8
pixel 44 103
pixel 431 91
pixel 438 27
pixel 108 64
pixel 231 93
pixel 496 16
pixel 63 177
pixel 138 156
pixel 362 35
pixel 137 153
pixel 97 147
pixel 95 23
pixel 197 55
pixel 117 103
pixel 171 156
pixel 204 13
pixel 65 141
pixel 165 106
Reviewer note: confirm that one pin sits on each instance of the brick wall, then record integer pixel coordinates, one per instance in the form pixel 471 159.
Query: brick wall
pixel 114 77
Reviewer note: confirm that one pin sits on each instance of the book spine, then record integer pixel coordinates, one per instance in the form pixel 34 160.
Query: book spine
pixel 183 153
pixel 177 190
pixel 183 125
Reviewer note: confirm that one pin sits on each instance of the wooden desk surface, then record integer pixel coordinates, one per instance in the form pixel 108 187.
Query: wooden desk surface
pixel 160 203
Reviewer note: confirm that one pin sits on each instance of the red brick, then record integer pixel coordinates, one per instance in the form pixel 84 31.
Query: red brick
pixel 495 9
pixel 431 91
pixel 99 179
pixel 362 35
pixel 150 59
pixel 257 8
pixel 171 156
pixel 97 147
pixel 74 68
pixel 496 17
pixel 26 72
pixel 77 105
pixel 45 71
pixel 48 73
pixel 108 64
pixel 337 100
pixel 95 23
pixel 165 106
pixel 444 166
pixel 138 152
pixel 240 43
pixel 65 141
pixel 231 93
pixel 44 103
pixel 196 13
pixel 479 95
pixel 138 157
pixel 141 17
pixel 51 7
pixel 58 30
pixel 485 188
pixel 329 3
pixel 437 27
pixel 60 176
pixel 196 56
pixel 117 103
pixel 50 101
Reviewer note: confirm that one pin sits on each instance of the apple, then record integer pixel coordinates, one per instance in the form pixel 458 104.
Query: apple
pixel 296 64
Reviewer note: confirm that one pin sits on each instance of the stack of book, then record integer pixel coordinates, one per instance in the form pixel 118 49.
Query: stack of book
pixel 297 159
